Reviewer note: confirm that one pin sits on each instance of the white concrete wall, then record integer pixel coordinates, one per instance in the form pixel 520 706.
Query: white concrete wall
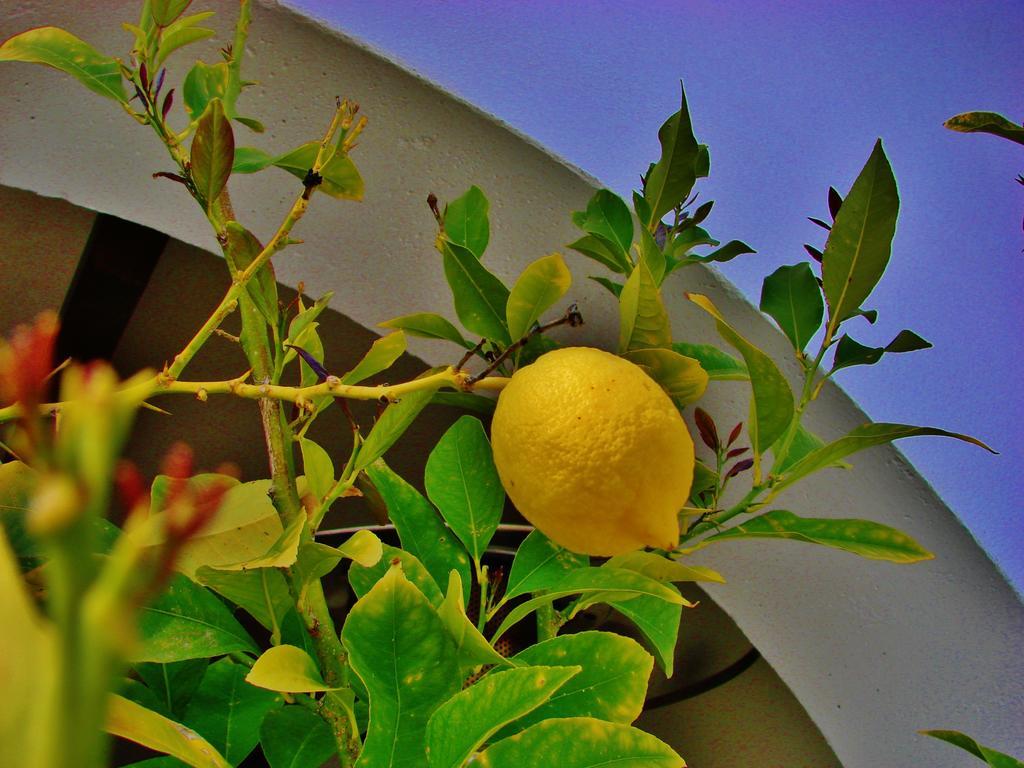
pixel 873 651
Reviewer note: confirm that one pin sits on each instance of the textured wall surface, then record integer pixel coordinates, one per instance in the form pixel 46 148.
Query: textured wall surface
pixel 872 651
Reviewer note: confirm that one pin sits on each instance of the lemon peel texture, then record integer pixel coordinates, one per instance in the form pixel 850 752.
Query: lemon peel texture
pixel 593 452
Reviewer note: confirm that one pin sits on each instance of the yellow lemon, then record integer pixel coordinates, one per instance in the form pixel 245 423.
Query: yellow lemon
pixel 593 452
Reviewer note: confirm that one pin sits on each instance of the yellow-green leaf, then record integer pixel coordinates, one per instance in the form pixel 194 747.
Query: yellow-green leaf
pixel 681 377
pixel 281 554
pixel 287 669
pixel 428 325
pixel 643 321
pixel 541 284
pixel 61 50
pixel 771 406
pixel 992 757
pixel 382 354
pixel 663 568
pixel 134 722
pixel 318 468
pixel 471 646
pixel 986 122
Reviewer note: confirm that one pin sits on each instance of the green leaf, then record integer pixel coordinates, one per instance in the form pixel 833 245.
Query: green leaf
pixel 262 592
pixel 772 404
pixel 603 252
pixel 859 245
pixel 364 578
pixel 61 50
pixel 466 401
pixel 604 584
pixel 727 252
pixel 653 256
pixel 861 537
pixel 658 621
pixel 134 722
pixel 611 685
pixel 541 284
pixel 389 427
pixel 608 217
pixel 287 669
pixel 466 223
pixel 187 622
pixel 681 377
pixel 672 177
pixel 181 33
pixel 539 564
pixel 991 756
pixel 662 568
pixel 203 84
pixel 792 297
pixel 643 321
pixel 213 152
pixel 480 297
pixel 427 325
pixel 164 12
pixel 172 685
pixel 860 438
pixel 381 356
pixel 420 528
pixel 468 719
pixel 282 553
pixel 581 742
pixel 17 484
pixel 803 443
pixel 341 178
pixel 718 365
pixel 849 352
pixel 296 737
pixel 228 712
pixel 302 322
pixel 245 524
pixel 315 559
pixel 472 647
pixel 251 160
pixel 318 468
pixel 986 122
pixel 614 288
pixel 463 484
pixel 398 647
pixel 641 207
pixel 244 248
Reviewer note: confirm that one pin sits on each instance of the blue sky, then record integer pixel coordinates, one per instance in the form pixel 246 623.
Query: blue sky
pixel 790 98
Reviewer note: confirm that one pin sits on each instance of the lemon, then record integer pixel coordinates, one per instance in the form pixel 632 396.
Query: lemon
pixel 593 452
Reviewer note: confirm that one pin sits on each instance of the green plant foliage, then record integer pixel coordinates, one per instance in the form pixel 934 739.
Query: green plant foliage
pixel 611 684
pixel 383 353
pixel 990 756
pixel 405 658
pixel 172 685
pixel 363 578
pixel 463 484
pixel 419 527
pixel 165 12
pixel 608 219
pixel 803 443
pixel 860 438
pixel 643 321
pixel 670 179
pixel 295 737
pixel 581 742
pixel 480 298
pixel 538 288
pixel 718 365
pixel 131 721
pixel 850 352
pixel 471 646
pixel 287 669
pixel 861 537
pixel 187 622
pixel 243 248
pixel 771 408
pixel 466 221
pixel 389 427
pixel 539 564
pixel 341 178
pixel 62 50
pixel 662 568
pixel 602 252
pixel 428 325
pixel 228 712
pixel 986 122
pixel 681 377
pixel 467 720
pixel 860 243
pixel 318 467
pixel 182 32
pixel 213 152
pixel 793 299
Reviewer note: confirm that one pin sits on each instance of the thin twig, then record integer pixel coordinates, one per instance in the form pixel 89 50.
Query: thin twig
pixel 572 318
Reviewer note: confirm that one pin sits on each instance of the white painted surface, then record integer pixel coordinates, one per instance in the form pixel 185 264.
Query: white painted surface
pixel 873 651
